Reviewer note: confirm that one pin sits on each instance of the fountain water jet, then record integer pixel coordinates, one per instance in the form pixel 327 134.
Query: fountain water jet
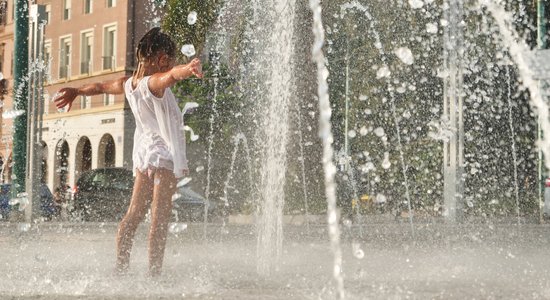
pixel 360 7
pixel 325 132
pixel 274 130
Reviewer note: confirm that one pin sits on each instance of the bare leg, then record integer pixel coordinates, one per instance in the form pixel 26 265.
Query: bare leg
pixel 161 210
pixel 141 196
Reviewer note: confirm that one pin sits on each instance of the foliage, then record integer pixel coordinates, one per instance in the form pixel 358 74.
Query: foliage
pixel 175 22
pixel 411 98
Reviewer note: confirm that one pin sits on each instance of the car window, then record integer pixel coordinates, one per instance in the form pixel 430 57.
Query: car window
pixel 98 179
pixel 122 183
pixel 113 179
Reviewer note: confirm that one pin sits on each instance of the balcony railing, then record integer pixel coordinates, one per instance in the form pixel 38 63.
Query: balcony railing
pixel 85 67
pixel 108 62
pixel 63 71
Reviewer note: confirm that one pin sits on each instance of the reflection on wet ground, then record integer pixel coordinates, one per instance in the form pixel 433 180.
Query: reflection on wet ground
pixel 483 261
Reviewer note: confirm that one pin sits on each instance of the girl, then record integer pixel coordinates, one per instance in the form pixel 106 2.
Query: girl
pixel 159 142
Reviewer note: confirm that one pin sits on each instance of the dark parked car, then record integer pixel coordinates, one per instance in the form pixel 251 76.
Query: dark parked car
pixel 4 201
pixel 104 195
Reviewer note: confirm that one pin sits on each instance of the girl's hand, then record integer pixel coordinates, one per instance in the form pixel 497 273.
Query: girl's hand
pixel 195 67
pixel 65 97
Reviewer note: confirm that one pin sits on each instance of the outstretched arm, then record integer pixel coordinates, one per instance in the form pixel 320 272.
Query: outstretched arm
pixel 67 95
pixel 160 81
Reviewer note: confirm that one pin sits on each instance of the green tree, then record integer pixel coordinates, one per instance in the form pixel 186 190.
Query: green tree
pixel 175 23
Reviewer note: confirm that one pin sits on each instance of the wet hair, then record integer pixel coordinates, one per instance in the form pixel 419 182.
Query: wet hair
pixel 151 44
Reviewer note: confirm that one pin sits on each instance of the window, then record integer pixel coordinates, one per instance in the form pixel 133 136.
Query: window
pixel 86 46
pixel 47 59
pixel 108 99
pixel 85 102
pixel 2 58
pixel 46 103
pixel 111 3
pixel 64 57
pixel 3 12
pixel 88 6
pixel 109 47
pixel 66 9
pixel 48 13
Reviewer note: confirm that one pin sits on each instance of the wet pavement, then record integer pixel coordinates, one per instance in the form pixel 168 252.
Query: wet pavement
pixel 382 260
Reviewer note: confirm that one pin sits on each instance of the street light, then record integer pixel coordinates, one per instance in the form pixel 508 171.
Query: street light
pixel 453 150
pixel 541 44
pixel 35 110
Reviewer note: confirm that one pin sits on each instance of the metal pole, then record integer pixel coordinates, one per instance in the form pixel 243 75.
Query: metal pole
pixel 541 44
pixel 33 207
pixel 37 13
pixel 346 126
pixel 453 161
pixel 20 70
pixel 40 108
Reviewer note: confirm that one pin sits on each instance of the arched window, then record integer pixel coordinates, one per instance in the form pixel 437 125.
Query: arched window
pixel 61 167
pixel 107 152
pixel 83 156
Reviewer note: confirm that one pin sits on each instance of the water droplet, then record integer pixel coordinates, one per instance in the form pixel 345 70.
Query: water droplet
pixel 199 168
pixel 12 114
pixel 415 4
pixel 383 72
pixel 380 198
pixel 352 133
pixel 347 223
pixel 386 164
pixel 184 181
pixel 157 181
pixel 192 18
pixel 177 227
pixel 24 227
pixel 431 28
pixel 405 55
pixel 188 50
pixel 57 95
pixel 1 76
pixel 357 251
pixel 379 132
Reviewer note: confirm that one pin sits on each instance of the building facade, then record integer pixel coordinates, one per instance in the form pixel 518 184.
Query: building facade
pixel 88 41
pixel 6 86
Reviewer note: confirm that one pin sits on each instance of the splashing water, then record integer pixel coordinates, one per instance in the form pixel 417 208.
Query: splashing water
pixel 192 18
pixel 405 56
pixel 188 50
pixel 12 114
pixel 194 137
pixel 518 51
pixel 325 132
pixel 279 51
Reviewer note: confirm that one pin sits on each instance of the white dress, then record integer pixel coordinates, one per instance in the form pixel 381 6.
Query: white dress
pixel 159 140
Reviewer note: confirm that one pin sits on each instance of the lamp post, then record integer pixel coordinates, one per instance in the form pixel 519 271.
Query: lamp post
pixel 453 150
pixel 346 112
pixel 541 44
pixel 34 112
